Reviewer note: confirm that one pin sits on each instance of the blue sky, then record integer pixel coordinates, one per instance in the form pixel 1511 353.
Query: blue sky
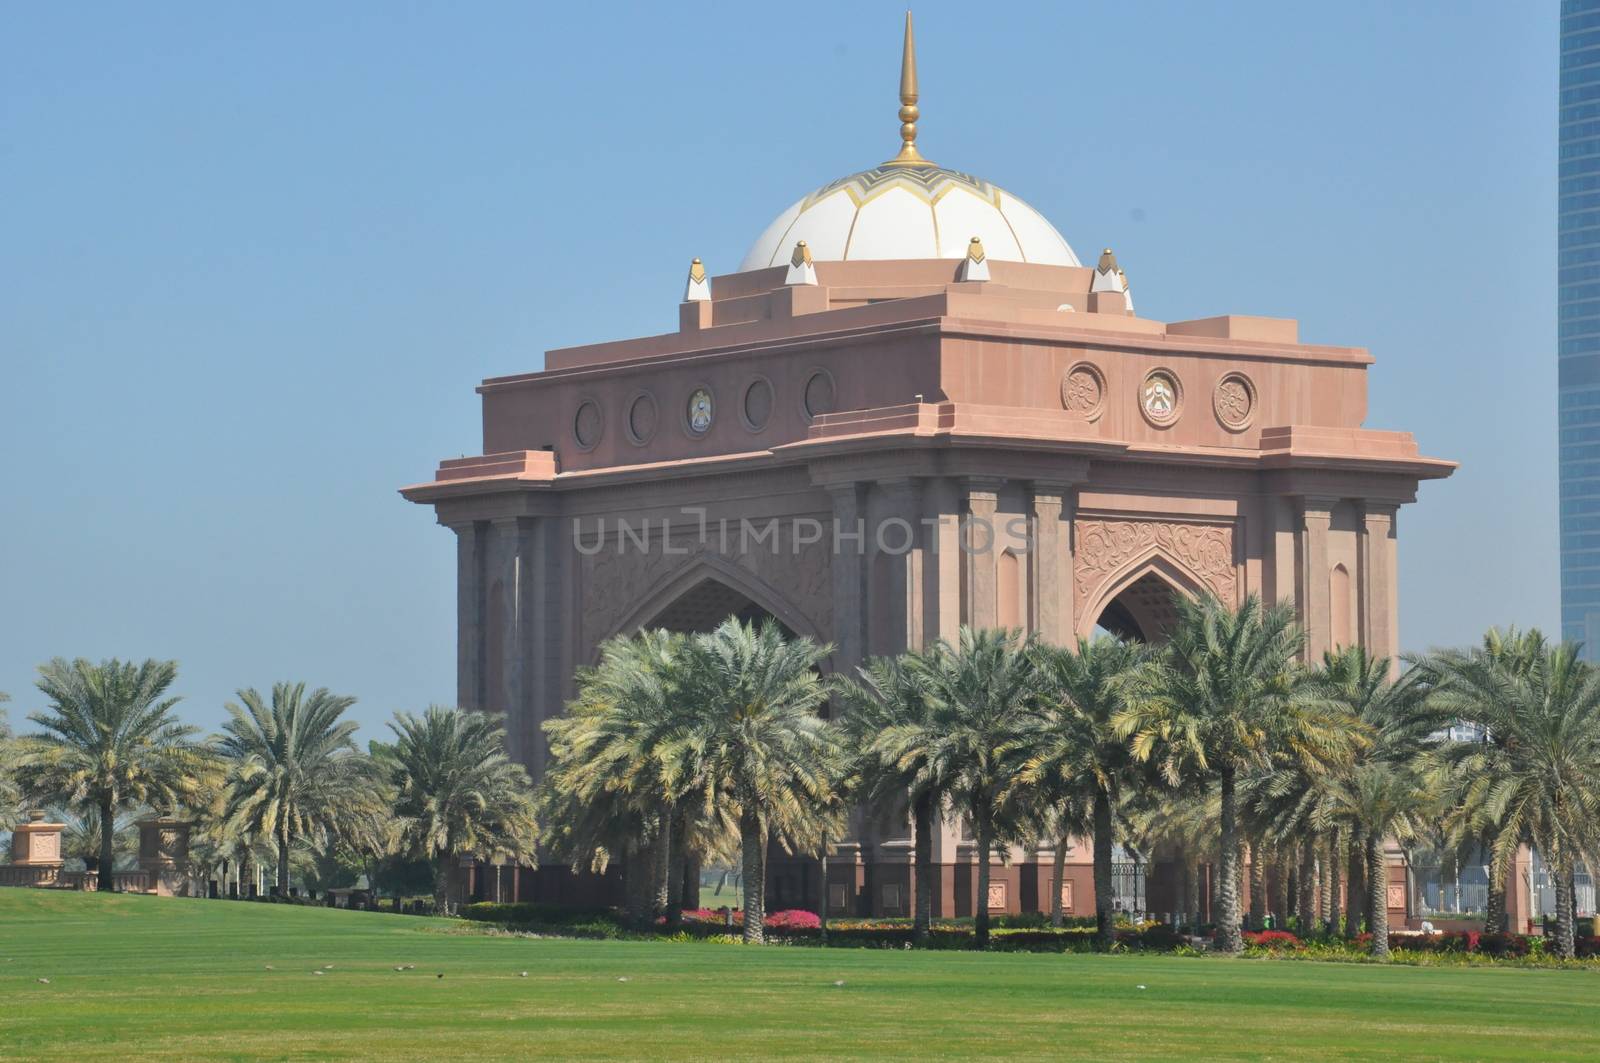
pixel 254 258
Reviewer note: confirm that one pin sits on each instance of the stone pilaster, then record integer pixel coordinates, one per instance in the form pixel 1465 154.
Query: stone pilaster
pixel 1050 565
pixel 1316 617
pixel 898 541
pixel 979 546
pixel 849 577
pixel 506 661
pixel 1380 631
pixel 470 613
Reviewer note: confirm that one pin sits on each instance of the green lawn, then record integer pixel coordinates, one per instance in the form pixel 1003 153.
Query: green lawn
pixel 143 977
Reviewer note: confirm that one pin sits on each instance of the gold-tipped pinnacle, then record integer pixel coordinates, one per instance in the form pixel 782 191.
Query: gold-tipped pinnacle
pixel 909 156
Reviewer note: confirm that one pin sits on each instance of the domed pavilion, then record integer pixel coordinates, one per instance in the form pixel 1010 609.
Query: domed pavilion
pixel 912 408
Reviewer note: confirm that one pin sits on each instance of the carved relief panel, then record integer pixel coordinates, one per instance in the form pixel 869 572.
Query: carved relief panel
pixel 1105 547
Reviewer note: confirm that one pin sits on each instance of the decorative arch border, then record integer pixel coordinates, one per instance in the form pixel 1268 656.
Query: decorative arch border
pixel 1155 558
pixel 697 570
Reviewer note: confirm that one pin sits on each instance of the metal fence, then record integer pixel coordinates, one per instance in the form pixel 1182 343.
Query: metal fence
pixel 1543 892
pixel 1127 886
pixel 1451 889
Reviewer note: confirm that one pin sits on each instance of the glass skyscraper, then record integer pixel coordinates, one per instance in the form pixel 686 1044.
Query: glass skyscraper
pixel 1578 323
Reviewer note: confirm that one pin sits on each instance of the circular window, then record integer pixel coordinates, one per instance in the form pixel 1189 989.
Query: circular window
pixel 587 424
pixel 819 394
pixel 1083 391
pixel 698 413
pixel 1234 402
pixel 757 404
pixel 1161 397
pixel 642 416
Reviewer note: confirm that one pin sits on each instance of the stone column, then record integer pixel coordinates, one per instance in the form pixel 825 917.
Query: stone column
pixel 470 612
pixel 1316 515
pixel 1379 629
pixel 1050 565
pixel 898 538
pixel 512 574
pixel 164 854
pixel 35 851
pixel 849 582
pixel 978 542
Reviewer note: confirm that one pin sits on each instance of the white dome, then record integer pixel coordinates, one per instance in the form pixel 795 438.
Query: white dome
pixel 899 211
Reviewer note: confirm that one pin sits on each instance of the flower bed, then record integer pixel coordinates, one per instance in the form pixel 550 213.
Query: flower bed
pixel 1275 940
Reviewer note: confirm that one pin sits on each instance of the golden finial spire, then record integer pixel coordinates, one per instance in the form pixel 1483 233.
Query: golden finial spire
pixel 909 156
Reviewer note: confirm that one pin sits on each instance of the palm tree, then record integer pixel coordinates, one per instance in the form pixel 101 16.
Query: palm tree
pixel 605 792
pixel 81 838
pixel 1076 750
pixel 1378 799
pixel 457 792
pixel 1470 684
pixel 890 718
pixel 754 749
pixel 1231 693
pixel 110 741
pixel 10 795
pixel 1182 823
pixel 293 765
pixel 1544 719
pixel 983 688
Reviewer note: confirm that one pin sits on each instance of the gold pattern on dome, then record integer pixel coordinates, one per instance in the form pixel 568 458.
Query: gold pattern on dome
pixel 928 183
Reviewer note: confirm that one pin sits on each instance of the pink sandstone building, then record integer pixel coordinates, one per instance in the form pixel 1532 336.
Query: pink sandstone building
pixel 913 407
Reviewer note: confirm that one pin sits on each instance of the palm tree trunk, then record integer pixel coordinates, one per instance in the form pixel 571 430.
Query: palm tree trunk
pixel 1375 899
pixel 753 842
pixel 1307 902
pixel 1104 920
pixel 922 813
pixel 1566 928
pixel 1258 885
pixel 1495 905
pixel 441 884
pixel 1058 874
pixel 1354 887
pixel 638 886
pixel 1196 872
pixel 661 869
pixel 108 851
pixel 677 900
pixel 1278 888
pixel 1378 895
pixel 1228 937
pixel 822 888
pixel 283 861
pixel 1335 884
pixel 690 888
pixel 980 921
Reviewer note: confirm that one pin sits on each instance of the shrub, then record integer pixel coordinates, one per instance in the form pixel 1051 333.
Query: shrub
pixel 527 912
pixel 1272 939
pixel 1588 947
pixel 1160 938
pixel 1504 945
pixel 792 919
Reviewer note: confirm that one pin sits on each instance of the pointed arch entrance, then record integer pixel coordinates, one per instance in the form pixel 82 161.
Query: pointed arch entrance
pixel 707 591
pixel 1141 604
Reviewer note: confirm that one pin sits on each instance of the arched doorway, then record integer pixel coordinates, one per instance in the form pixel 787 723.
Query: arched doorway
pixel 1144 611
pixel 707 604
pixel 698 596
pixel 1142 605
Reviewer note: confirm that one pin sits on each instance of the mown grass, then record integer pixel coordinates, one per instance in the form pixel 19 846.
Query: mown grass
pixel 149 978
